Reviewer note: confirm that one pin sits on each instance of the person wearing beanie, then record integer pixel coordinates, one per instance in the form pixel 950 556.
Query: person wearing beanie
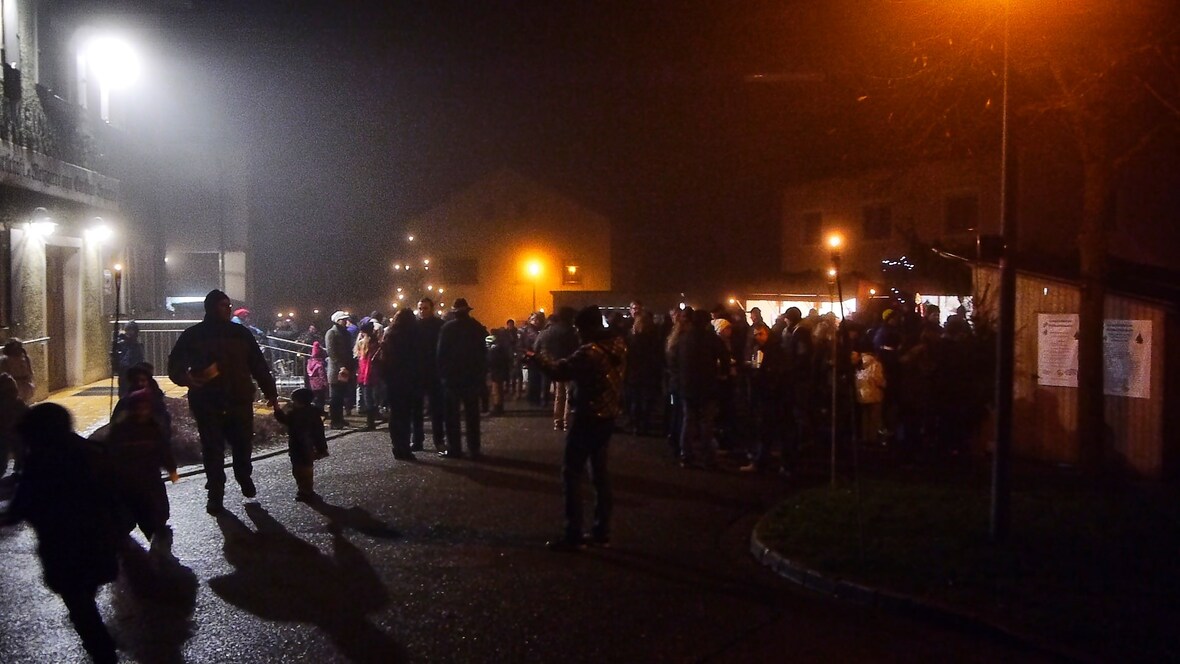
pixel 596 369
pixel 137 447
pixel 219 361
pixel 306 442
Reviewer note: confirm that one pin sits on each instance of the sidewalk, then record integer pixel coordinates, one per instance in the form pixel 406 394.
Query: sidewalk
pixel 91 404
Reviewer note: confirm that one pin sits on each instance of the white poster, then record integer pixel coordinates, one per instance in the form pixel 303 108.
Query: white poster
pixel 1126 353
pixel 1057 350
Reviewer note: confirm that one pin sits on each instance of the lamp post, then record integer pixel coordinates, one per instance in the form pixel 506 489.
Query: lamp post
pixel 1005 323
pixel 835 241
pixel 115 335
pixel 534 270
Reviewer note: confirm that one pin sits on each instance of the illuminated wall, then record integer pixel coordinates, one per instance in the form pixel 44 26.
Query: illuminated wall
pixel 506 224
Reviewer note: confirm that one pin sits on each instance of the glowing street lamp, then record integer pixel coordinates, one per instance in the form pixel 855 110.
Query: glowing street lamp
pixel 835 242
pixel 115 65
pixel 533 268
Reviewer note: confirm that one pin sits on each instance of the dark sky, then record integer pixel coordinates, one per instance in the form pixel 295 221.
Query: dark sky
pixel 360 115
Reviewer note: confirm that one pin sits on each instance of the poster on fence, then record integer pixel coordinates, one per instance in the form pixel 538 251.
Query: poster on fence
pixel 1126 358
pixel 1057 350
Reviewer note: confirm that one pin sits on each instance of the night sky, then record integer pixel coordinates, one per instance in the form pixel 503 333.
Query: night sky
pixel 356 116
pixel 360 115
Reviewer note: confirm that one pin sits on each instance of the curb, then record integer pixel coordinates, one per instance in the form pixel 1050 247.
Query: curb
pixel 900 603
pixel 199 469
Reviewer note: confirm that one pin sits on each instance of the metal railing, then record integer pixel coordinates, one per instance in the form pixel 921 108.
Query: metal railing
pixel 288 359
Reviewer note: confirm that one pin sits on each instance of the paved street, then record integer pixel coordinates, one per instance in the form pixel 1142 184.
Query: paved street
pixel 443 560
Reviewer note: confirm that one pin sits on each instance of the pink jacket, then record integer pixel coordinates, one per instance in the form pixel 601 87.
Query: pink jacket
pixel 317 370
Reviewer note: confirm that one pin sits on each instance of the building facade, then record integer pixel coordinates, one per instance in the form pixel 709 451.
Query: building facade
pixel 60 198
pixel 507 244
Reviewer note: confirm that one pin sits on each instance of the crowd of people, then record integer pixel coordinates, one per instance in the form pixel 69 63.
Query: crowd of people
pixel 718 383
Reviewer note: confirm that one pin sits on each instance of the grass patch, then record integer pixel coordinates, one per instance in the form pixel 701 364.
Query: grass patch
pixel 1091 568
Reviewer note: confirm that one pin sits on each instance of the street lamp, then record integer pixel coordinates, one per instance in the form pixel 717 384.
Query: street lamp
pixel 115 336
pixel 1005 323
pixel 115 65
pixel 835 242
pixel 534 270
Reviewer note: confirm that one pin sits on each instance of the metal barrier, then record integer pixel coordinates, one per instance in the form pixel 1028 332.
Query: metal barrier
pixel 287 359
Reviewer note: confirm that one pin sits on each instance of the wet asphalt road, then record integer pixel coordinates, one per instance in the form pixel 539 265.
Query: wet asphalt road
pixel 443 561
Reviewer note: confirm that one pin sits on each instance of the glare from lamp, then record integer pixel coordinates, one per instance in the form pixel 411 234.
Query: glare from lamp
pixel 835 241
pixel 42 228
pixel 115 63
pixel 102 233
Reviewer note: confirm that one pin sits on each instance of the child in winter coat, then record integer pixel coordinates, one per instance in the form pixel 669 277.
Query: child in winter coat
pixel 138 446
pixel 870 393
pixel 59 495
pixel 306 443
pixel 317 375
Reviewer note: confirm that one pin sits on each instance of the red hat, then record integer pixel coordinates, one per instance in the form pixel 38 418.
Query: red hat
pixel 242 313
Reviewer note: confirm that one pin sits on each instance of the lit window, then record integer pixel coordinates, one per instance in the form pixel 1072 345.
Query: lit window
pixel 571 275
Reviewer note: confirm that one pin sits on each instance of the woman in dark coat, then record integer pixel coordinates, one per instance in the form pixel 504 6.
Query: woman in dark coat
pixel 399 363
pixel 60 497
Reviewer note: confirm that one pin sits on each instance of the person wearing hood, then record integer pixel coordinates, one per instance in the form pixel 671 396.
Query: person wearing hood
pixel 219 361
pixel 596 370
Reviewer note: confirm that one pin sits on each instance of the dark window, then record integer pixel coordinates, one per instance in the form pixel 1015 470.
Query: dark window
pixel 878 222
pixel 571 275
pixel 813 227
pixel 962 213
pixel 458 271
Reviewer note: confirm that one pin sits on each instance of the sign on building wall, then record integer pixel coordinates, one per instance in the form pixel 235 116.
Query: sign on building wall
pixel 1126 354
pixel 1057 350
pixel 24 168
pixel 1127 358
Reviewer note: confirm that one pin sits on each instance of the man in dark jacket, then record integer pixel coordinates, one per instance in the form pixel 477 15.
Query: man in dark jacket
pixel 700 360
pixel 430 396
pixel 596 369
pixel 558 341
pixel 797 374
pixel 462 368
pixel 219 361
pixel 338 343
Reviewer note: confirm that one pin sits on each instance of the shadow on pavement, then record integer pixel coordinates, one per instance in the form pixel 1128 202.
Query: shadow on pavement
pixel 355 518
pixel 153 600
pixel 483 473
pixel 621 483
pixel 278 576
